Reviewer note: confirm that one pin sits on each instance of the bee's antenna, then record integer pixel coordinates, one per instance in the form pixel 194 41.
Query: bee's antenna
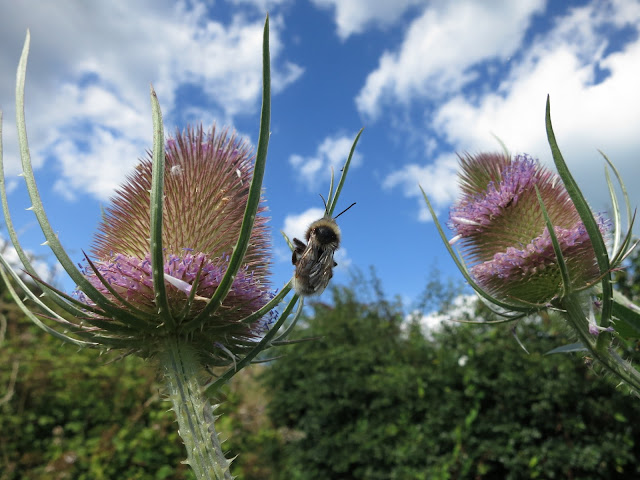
pixel 325 203
pixel 344 210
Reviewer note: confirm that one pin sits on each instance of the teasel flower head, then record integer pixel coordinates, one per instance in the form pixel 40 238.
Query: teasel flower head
pixel 206 185
pixel 500 223
pixel 530 242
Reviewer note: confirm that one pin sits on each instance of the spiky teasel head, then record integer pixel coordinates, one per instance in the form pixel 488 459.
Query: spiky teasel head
pixel 206 185
pixel 530 241
pixel 503 231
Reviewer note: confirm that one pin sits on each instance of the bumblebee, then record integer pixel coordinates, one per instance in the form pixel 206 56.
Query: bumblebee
pixel 314 260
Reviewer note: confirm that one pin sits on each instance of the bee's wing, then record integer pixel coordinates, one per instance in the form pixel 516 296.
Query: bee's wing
pixel 306 260
pixel 316 265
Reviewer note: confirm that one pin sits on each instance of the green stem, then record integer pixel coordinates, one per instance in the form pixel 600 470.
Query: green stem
pixel 606 355
pixel 194 412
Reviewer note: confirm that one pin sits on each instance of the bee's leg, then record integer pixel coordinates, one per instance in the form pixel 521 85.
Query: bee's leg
pixel 299 247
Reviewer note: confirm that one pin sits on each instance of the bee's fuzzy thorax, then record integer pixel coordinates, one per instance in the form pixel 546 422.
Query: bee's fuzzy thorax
pixel 327 222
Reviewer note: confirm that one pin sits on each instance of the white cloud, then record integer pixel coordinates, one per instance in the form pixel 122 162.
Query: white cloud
pixel 332 152
pixel 438 180
pixel 89 72
pixel 354 16
pixel 441 47
pixel 226 62
pixel 44 270
pixel 462 309
pixel 97 171
pixel 262 6
pixel 297 225
pixel 342 259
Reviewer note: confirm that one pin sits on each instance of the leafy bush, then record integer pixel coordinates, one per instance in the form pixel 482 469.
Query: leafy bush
pixel 372 399
pixel 72 414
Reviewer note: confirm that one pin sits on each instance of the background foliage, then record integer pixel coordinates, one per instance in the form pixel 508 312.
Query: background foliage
pixel 79 415
pixel 375 397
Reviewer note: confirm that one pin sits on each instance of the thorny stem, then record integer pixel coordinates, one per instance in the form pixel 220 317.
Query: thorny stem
pixel 194 412
pixel 605 354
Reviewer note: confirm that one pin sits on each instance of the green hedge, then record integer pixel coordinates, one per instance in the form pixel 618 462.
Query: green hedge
pixel 375 399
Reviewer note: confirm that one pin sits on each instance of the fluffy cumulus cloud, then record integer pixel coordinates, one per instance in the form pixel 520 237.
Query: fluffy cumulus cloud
pixel 92 170
pixel 437 179
pixel 353 16
pixel 333 151
pixel 591 81
pixel 89 72
pixel 44 270
pixel 441 47
pixel 296 225
pixel 462 310
pixel 262 6
pixel 564 64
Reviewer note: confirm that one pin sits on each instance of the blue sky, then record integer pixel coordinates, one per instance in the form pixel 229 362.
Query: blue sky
pixel 426 79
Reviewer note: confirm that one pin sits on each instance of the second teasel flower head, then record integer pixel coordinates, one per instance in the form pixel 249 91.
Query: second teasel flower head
pixel 206 185
pixel 503 233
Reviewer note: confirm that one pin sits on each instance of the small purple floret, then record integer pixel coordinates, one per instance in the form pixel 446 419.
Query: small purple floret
pixel 596 330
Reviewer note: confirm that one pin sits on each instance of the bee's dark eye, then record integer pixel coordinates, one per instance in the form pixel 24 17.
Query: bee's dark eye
pixel 325 235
